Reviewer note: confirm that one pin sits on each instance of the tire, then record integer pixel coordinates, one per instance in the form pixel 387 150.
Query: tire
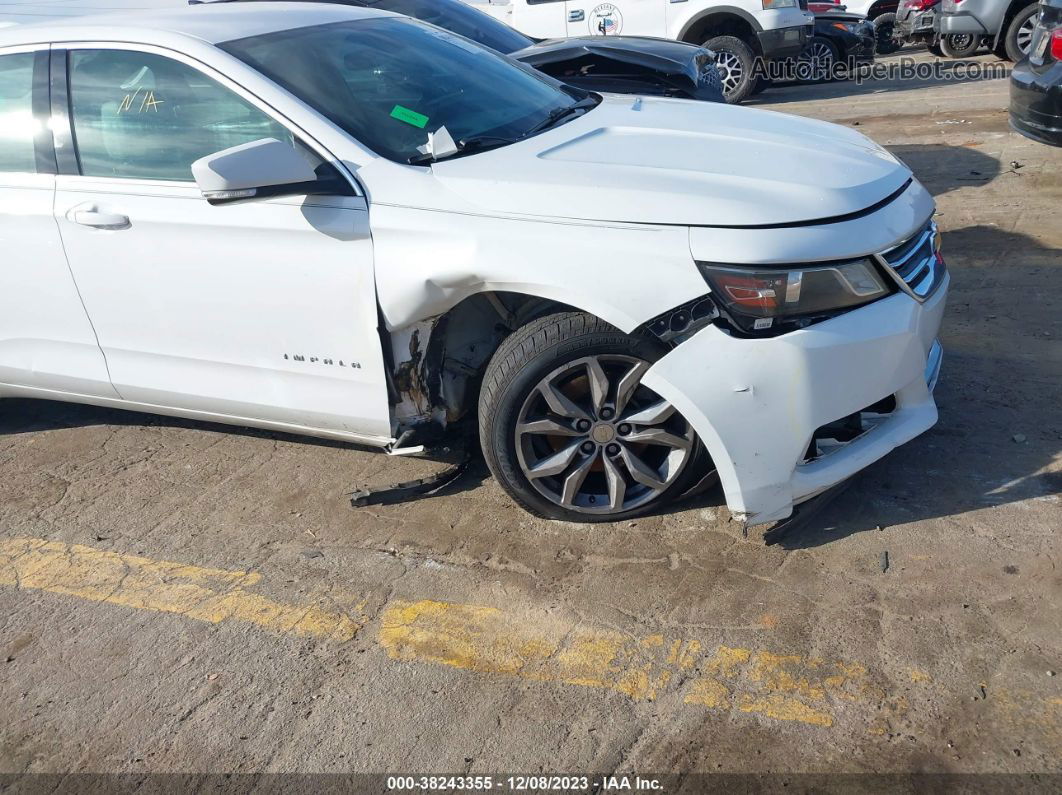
pixel 538 412
pixel 960 45
pixel 819 61
pixel 735 61
pixel 1018 38
pixel 934 47
pixel 884 26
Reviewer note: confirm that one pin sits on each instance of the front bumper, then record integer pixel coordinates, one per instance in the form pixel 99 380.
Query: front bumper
pixel 781 43
pixel 757 403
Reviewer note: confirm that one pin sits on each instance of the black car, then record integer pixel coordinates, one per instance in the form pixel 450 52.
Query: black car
pixel 841 43
pixel 616 64
pixel 1036 82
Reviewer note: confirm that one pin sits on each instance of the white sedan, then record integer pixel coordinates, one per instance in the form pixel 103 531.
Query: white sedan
pixel 349 224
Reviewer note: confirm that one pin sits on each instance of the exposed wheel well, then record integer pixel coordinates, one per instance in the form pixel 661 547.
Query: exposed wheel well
pixel 721 24
pixel 435 365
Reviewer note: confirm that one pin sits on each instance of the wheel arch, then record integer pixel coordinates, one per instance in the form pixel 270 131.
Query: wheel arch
pixel 1013 9
pixel 722 21
pixel 434 364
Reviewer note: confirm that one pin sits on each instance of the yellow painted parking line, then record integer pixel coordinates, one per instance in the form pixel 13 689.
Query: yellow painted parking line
pixel 210 595
pixel 489 640
pixel 482 639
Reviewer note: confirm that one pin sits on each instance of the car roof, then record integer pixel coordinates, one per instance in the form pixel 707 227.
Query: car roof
pixel 208 22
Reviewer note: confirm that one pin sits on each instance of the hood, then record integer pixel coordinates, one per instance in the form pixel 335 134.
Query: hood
pixel 652 53
pixel 668 161
pixel 839 16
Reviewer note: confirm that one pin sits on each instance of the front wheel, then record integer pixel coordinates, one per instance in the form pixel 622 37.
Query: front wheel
pixel 735 61
pixel 569 430
pixel 818 62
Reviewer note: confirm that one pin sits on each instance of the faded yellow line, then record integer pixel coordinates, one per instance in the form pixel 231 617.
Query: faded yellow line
pixel 489 640
pixel 510 643
pixel 203 594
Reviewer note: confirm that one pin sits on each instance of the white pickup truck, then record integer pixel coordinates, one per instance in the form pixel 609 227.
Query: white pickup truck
pixel 739 31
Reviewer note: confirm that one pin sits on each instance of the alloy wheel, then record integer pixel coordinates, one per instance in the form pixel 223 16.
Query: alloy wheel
pixel 817 60
pixel 592 439
pixel 730 70
pixel 1025 34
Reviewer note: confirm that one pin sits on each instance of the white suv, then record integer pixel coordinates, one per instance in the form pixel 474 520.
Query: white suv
pixel 346 223
pixel 738 31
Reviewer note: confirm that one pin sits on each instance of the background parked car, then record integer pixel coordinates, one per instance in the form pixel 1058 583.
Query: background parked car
pixel 841 43
pixel 623 64
pixel 1036 83
pixel 616 64
pixel 1005 26
pixel 737 31
pixel 914 24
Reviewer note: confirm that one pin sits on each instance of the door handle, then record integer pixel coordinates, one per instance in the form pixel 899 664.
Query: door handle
pixel 99 220
pixel 576 16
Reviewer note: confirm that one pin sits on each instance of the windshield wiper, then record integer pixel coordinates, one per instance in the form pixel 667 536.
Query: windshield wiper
pixel 467 146
pixel 557 114
pixel 480 143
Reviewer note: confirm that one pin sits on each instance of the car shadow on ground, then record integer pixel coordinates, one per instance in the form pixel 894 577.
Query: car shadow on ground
pixel 23 416
pixel 942 168
pixel 921 73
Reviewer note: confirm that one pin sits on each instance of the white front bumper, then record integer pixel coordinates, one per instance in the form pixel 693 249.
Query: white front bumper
pixel 755 403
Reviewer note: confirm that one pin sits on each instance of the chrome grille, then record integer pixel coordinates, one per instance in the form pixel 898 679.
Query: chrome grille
pixel 915 263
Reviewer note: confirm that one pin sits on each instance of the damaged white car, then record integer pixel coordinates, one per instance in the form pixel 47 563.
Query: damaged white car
pixel 345 223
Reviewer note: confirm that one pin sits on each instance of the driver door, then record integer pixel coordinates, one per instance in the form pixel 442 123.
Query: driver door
pixel 262 311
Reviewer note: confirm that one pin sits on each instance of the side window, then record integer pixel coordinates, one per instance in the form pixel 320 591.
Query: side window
pixel 17 125
pixel 144 116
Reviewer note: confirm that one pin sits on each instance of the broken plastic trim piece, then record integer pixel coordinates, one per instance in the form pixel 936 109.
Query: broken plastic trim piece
pixel 412 489
pixel 803 513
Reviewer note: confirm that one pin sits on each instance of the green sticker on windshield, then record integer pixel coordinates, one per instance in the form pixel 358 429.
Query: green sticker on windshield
pixel 409 116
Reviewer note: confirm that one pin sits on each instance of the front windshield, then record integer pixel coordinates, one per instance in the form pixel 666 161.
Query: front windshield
pixel 459 17
pixel 389 81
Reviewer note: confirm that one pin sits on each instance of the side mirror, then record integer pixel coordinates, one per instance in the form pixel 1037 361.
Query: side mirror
pixel 256 170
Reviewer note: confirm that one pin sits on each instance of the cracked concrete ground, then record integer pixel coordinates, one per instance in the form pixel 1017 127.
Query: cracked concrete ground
pixel 185 597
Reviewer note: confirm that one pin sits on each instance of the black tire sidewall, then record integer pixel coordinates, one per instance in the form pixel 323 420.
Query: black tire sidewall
pixel 882 44
pixel 500 409
pixel 745 54
pixel 1010 42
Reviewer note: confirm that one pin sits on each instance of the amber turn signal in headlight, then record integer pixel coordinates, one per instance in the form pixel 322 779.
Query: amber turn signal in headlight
pixel 779 292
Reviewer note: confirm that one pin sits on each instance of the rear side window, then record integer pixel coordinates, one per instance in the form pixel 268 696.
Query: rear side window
pixel 142 116
pixel 18 127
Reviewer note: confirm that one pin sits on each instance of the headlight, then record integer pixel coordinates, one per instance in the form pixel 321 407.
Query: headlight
pixel 756 297
pixel 850 27
pixel 772 5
